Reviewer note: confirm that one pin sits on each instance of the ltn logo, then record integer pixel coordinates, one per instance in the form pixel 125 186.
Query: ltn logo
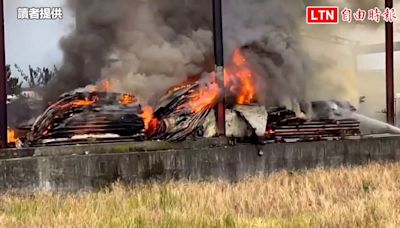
pixel 322 15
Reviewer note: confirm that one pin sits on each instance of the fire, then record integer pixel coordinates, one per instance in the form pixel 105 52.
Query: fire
pixel 204 98
pixel 247 90
pixel 106 85
pixel 11 136
pixel 238 58
pixel 85 102
pixel 239 79
pixel 178 87
pixel 127 99
pixel 187 83
pixel 79 103
pixel 150 122
pixel 269 133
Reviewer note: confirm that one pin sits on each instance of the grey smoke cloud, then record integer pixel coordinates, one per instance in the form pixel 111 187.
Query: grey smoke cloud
pixel 155 44
pixel 159 44
pixel 86 48
pixel 150 39
pixel 270 31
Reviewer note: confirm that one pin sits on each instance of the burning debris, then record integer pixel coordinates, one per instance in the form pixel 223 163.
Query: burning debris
pixel 186 110
pixel 104 114
pixel 153 42
pixel 147 46
pixel 240 79
pixel 12 138
pixel 88 114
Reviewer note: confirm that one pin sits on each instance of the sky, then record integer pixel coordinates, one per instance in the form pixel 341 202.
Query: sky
pixel 34 42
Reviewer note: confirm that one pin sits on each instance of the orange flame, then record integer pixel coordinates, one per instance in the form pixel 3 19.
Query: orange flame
pixel 79 103
pixel 269 133
pixel 127 99
pixel 204 98
pixel 178 87
pixel 187 83
pixel 106 85
pixel 238 58
pixel 239 79
pixel 150 122
pixel 11 136
pixel 85 102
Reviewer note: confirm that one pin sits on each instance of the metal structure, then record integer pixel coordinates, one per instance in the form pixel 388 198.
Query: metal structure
pixel 3 84
pixel 219 63
pixel 377 48
pixel 390 110
pixel 330 38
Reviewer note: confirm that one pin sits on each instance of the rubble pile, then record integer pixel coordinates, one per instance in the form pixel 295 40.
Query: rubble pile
pixel 285 126
pixel 177 119
pixel 187 110
pixel 79 114
pixel 183 112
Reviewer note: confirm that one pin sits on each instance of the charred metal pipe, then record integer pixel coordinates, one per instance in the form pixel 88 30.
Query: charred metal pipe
pixel 219 63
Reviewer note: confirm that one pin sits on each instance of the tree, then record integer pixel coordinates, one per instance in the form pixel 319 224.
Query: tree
pixel 38 77
pixel 13 84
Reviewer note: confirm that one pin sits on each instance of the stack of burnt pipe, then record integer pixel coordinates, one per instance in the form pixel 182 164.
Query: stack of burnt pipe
pixel 110 117
pixel 81 113
pixel 176 121
pixel 285 126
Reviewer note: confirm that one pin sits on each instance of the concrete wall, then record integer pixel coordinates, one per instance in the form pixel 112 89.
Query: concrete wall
pixel 211 161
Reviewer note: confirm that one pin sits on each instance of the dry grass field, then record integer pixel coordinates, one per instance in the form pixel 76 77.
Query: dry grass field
pixel 357 197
